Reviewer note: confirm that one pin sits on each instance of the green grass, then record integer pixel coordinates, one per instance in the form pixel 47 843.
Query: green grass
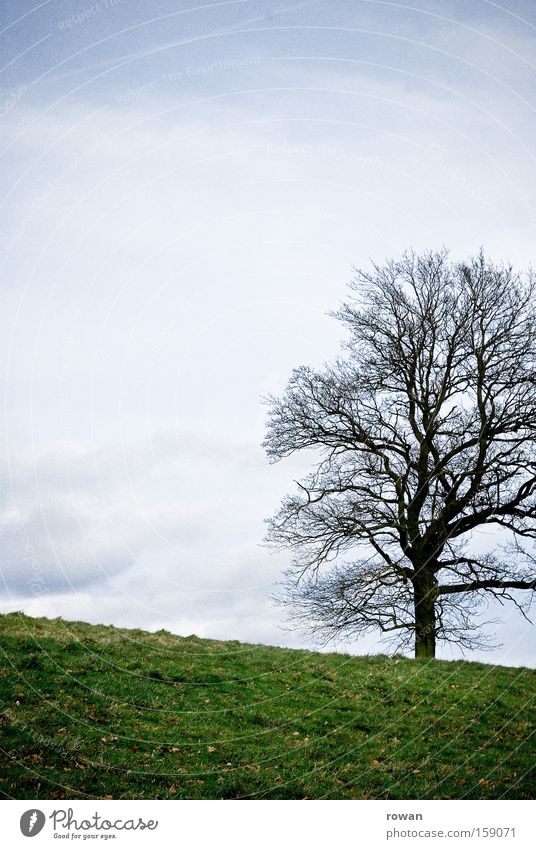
pixel 97 712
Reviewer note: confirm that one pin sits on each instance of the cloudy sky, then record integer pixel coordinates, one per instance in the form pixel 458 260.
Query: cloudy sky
pixel 186 190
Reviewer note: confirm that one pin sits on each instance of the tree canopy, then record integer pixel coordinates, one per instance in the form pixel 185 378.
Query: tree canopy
pixel 422 501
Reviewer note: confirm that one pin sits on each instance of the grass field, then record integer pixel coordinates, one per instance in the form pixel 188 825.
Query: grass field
pixel 97 712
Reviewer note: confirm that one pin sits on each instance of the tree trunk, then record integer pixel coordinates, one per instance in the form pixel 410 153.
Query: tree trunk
pixel 425 620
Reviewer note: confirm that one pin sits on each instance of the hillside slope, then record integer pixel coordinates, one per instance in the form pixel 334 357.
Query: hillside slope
pixel 95 711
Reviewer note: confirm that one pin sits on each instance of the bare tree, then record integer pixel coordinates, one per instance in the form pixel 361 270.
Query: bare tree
pixel 426 433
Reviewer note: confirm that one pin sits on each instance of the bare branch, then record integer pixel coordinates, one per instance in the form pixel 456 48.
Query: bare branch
pixel 425 431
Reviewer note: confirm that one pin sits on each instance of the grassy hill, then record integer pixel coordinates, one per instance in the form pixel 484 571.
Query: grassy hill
pixel 100 712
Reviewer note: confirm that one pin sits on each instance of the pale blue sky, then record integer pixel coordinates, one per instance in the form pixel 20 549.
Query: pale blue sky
pixel 187 189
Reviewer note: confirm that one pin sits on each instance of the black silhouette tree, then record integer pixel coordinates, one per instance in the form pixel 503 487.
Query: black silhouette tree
pixel 425 433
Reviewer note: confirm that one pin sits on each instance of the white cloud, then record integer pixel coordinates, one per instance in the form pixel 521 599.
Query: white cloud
pixel 169 256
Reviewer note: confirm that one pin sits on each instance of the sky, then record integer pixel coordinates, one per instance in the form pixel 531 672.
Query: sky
pixel 187 188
